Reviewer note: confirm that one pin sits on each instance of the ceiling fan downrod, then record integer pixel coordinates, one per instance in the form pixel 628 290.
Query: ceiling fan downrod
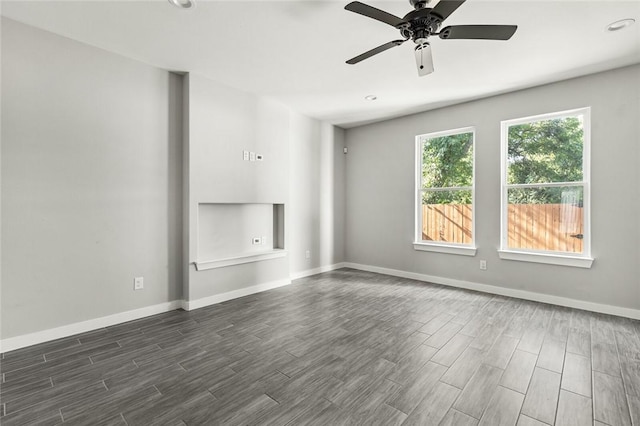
pixel 419 4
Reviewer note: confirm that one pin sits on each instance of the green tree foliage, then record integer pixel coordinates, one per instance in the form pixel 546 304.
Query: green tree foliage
pixel 543 152
pixel 539 152
pixel 447 162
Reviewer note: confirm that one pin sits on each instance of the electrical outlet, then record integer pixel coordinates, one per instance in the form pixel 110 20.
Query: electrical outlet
pixel 252 156
pixel 264 240
pixel 307 254
pixel 483 265
pixel 138 283
pixel 256 241
pixel 245 155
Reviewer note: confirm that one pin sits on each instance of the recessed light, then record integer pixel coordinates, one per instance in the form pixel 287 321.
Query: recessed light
pixel 618 25
pixel 183 4
pixel 370 97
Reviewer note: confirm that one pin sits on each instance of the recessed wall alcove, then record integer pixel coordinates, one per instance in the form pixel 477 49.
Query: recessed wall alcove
pixel 236 233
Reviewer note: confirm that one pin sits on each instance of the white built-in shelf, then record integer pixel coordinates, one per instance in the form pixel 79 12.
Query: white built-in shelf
pixel 203 265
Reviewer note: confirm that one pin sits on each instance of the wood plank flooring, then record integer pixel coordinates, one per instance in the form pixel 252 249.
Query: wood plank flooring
pixel 341 348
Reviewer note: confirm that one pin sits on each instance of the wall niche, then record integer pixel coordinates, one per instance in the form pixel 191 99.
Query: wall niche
pixel 236 233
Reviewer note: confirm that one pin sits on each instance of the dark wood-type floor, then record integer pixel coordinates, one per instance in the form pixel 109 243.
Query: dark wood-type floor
pixel 345 347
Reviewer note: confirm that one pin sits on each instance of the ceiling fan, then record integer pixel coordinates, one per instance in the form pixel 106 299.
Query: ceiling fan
pixel 423 22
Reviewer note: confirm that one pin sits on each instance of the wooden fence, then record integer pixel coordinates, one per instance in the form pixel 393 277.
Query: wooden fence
pixel 447 222
pixel 554 227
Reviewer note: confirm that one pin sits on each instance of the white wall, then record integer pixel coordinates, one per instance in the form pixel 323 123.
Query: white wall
pixel 317 194
pixel 90 182
pixel 222 123
pixel 380 191
pixel 299 169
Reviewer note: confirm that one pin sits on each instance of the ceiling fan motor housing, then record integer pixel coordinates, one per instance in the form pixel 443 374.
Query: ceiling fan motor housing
pixel 419 24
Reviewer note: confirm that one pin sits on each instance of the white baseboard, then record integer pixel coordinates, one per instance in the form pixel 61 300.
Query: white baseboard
pixel 189 305
pixel 315 271
pixel 25 340
pixel 18 342
pixel 503 291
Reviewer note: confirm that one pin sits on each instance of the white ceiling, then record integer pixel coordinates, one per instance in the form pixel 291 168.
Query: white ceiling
pixel 295 51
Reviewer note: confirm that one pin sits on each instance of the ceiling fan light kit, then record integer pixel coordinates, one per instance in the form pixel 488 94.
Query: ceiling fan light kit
pixel 183 4
pixel 424 22
pixel 424 59
pixel 621 24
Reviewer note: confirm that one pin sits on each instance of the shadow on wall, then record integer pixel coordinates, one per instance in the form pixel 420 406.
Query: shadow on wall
pixel 175 187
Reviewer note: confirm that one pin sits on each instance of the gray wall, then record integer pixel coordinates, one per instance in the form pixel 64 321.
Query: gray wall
pixel 380 191
pixel 104 161
pixel 336 228
pixel 91 170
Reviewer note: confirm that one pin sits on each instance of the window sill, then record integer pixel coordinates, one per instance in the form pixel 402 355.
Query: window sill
pixel 550 259
pixel 203 265
pixel 445 248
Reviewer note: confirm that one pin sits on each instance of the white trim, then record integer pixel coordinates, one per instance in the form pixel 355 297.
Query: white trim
pixel 445 248
pixel 417 226
pixel 547 116
pixel 554 258
pixel 586 177
pixel 189 305
pixel 550 259
pixel 504 191
pixel 545 185
pixel 315 271
pixel 203 265
pixel 419 190
pixel 431 135
pixel 25 340
pixel 448 189
pixel 503 291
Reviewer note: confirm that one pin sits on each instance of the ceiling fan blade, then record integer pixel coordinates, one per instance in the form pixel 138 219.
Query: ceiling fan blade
pixel 478 32
pixel 424 59
pixel 375 51
pixel 372 12
pixel 444 8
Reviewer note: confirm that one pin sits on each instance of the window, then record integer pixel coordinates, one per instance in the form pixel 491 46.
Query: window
pixel 445 192
pixel 545 189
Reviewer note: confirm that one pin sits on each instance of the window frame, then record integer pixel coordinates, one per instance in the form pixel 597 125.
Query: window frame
pixel 439 246
pixel 581 260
